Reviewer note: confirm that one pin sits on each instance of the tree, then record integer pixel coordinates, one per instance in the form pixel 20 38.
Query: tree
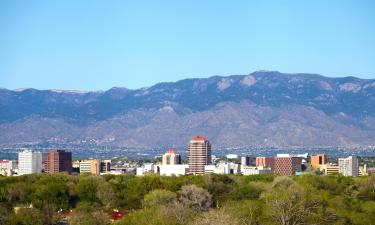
pixel 366 188
pixel 178 212
pixel 248 212
pixel 5 214
pixel 146 216
pixel 216 216
pixel 89 214
pixel 105 195
pixel 287 204
pixel 196 198
pixel 27 216
pixel 158 197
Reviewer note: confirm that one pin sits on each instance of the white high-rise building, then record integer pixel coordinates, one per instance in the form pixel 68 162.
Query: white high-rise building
pixel 29 162
pixel 348 166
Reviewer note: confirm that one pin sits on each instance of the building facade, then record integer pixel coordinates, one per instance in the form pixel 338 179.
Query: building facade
pixel 348 166
pixel 265 162
pixel 252 170
pixel 7 167
pixel 248 160
pixel 29 162
pixel 287 166
pixel 172 170
pixel 171 158
pixel 199 154
pixel 56 161
pixel 318 160
pixel 105 166
pixel 90 166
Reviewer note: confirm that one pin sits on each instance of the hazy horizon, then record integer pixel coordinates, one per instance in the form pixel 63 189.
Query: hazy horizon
pixel 193 77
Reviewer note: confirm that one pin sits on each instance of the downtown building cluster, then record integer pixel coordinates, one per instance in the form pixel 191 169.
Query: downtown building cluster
pixel 51 162
pixel 199 161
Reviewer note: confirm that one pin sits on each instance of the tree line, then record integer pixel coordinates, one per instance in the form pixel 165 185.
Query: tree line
pixel 191 200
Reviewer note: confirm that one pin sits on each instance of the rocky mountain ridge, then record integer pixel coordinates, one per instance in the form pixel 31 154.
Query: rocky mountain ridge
pixel 264 108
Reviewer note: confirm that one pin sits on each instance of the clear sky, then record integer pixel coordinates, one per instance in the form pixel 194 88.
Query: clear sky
pixel 95 45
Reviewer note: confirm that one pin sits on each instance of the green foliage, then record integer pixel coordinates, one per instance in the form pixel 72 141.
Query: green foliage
pixel 28 216
pixel 147 216
pixel 208 199
pixel 196 198
pixel 158 197
pixel 89 214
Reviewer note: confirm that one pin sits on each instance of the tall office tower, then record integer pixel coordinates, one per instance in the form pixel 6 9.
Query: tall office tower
pixel 29 162
pixel 267 162
pixel 199 154
pixel 58 161
pixel 171 158
pixel 318 160
pixel 348 166
pixel 287 166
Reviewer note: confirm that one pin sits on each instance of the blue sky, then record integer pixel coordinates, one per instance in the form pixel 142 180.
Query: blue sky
pixel 95 45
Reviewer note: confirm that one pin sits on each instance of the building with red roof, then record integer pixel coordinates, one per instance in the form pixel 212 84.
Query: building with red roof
pixel 199 154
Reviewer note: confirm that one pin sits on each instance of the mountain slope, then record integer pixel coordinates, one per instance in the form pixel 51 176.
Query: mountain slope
pixel 259 109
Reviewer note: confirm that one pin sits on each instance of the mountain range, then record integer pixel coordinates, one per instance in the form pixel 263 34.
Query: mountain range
pixel 264 108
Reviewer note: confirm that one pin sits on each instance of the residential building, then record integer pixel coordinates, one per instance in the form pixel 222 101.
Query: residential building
pixel 317 160
pixel 348 166
pixel 287 166
pixel 199 154
pixel 29 162
pixel 171 158
pixel 56 161
pixel 268 162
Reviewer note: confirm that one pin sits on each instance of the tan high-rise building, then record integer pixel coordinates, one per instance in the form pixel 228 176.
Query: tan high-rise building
pixel 56 161
pixel 199 154
pixel 318 160
pixel 89 166
pixel 171 158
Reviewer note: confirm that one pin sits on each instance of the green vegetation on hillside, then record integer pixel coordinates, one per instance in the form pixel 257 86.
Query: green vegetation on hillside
pixel 193 200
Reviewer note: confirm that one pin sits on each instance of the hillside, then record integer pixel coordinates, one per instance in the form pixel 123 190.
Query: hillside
pixel 260 109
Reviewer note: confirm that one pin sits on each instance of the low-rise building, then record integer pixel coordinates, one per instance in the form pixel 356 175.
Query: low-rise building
pixel 172 170
pixel 146 168
pixel 7 167
pixel 329 169
pixel 222 168
pixel 253 170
